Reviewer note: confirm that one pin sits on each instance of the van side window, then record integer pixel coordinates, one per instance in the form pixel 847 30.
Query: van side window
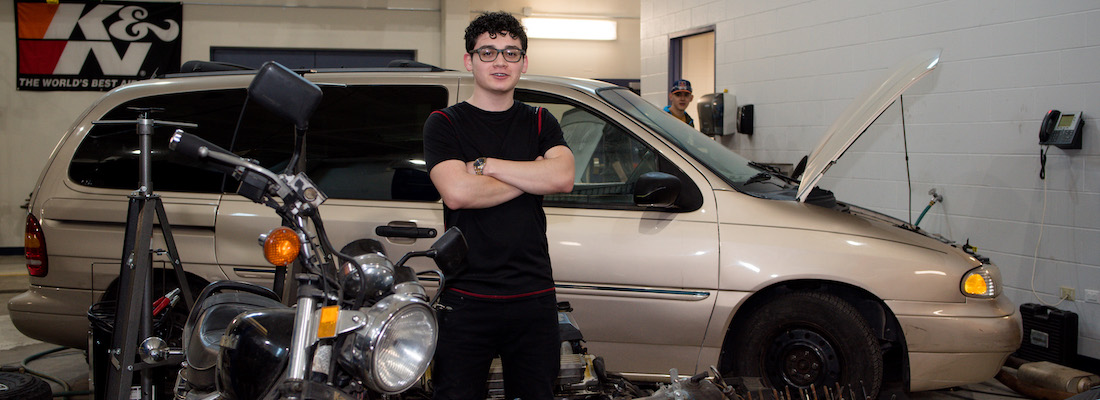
pixel 365 142
pixel 608 159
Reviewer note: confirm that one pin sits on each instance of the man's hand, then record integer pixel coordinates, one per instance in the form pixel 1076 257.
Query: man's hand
pixel 461 188
pixel 470 165
pixel 547 174
pixel 503 180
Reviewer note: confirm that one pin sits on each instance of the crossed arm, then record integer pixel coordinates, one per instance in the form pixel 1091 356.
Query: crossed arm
pixel 503 180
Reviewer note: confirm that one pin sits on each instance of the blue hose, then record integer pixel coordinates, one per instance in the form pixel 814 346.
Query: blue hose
pixel 924 212
pixel 936 197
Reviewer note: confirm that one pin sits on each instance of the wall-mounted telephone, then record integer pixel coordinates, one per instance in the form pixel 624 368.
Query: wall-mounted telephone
pixel 1062 129
pixel 745 119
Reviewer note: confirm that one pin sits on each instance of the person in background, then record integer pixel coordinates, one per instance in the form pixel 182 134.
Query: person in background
pixel 492 159
pixel 678 99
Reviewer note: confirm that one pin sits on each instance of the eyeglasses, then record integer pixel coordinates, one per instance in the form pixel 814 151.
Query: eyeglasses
pixel 489 54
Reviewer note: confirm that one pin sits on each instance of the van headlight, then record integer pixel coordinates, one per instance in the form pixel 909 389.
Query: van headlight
pixel 982 282
pixel 394 348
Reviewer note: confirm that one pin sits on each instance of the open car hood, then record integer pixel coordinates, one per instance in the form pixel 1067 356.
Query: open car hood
pixel 861 113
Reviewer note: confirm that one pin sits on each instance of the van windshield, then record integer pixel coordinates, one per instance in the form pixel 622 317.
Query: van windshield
pixel 741 173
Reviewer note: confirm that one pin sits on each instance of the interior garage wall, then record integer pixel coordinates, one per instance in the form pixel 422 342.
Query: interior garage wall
pixel 416 26
pixel 971 126
pixel 31 123
pixel 617 59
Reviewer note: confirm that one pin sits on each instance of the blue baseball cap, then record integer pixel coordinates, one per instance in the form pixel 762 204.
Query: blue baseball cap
pixel 681 85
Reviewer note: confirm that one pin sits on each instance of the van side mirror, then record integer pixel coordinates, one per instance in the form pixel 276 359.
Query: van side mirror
pixel 657 189
pixel 285 93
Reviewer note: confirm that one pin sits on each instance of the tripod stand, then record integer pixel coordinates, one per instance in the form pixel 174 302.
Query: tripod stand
pixel 134 314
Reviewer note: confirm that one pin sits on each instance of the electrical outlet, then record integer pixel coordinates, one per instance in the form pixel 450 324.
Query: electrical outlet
pixel 1067 293
pixel 1092 296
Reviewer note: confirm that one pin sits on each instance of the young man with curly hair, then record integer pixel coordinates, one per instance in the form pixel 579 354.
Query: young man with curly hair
pixel 492 159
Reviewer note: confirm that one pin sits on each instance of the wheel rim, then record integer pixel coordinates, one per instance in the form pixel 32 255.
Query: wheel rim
pixel 801 357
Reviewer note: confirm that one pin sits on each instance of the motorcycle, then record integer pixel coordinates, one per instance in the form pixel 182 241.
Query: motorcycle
pixel 361 326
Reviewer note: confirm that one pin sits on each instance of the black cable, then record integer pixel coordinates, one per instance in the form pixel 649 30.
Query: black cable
pixel 905 143
pixel 338 257
pixel 951 392
pixel 1009 395
pixel 236 130
pixel 25 368
pixel 956 395
pixel 1042 163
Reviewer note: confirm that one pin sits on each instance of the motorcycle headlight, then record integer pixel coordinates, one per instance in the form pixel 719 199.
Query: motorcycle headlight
pixel 981 282
pixel 394 348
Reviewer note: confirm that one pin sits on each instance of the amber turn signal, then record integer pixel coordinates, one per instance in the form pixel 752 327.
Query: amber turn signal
pixel 976 285
pixel 281 246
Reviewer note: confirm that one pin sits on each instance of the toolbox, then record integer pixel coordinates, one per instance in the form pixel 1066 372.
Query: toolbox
pixel 1050 334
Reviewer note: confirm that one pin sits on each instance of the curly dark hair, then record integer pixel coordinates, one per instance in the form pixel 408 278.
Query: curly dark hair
pixel 495 23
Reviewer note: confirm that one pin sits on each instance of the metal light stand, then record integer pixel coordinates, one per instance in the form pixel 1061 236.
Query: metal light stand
pixel 133 314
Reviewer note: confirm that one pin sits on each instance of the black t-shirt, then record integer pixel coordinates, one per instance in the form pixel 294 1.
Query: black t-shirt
pixel 508 257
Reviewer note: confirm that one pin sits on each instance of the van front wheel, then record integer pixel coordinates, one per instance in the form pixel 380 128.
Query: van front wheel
pixel 805 339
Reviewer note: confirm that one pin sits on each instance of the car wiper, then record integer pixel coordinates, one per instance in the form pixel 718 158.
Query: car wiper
pixel 773 170
pixel 765 167
pixel 760 177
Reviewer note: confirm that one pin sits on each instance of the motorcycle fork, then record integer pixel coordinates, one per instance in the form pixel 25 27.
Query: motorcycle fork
pixel 304 326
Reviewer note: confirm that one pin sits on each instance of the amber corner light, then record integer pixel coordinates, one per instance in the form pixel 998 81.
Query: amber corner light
pixel 281 246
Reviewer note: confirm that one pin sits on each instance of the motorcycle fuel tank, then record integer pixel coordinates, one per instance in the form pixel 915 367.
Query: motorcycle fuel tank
pixel 254 353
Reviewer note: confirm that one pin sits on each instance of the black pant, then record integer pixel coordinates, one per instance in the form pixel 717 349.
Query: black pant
pixel 524 333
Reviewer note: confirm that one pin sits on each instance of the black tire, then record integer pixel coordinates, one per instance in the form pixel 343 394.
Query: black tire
pixel 809 338
pixel 15 386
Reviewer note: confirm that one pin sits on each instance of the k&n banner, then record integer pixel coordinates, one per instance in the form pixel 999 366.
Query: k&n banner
pixel 95 45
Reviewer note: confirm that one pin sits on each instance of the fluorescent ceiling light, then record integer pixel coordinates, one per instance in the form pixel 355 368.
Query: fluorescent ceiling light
pixel 568 28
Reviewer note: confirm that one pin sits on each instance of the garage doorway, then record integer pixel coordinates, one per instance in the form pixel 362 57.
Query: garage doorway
pixel 691 57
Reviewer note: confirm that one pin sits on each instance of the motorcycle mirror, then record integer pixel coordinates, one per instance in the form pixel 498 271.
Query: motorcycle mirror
pixel 285 93
pixel 450 250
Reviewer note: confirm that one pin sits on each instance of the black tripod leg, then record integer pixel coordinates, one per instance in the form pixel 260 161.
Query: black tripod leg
pixel 173 254
pixel 115 373
pixel 133 314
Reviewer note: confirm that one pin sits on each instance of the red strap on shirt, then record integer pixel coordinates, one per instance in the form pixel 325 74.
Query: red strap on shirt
pixel 444 116
pixel 501 297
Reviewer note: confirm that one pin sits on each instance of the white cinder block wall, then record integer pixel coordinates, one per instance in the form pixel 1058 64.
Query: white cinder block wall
pixel 971 126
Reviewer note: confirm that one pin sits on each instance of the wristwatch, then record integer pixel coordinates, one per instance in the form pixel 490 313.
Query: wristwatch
pixel 479 166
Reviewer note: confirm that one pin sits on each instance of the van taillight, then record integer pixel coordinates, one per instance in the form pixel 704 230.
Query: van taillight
pixel 34 247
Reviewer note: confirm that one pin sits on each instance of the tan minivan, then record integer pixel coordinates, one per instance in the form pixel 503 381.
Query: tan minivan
pixel 730 265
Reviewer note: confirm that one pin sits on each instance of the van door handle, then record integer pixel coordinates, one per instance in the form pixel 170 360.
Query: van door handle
pixel 405 232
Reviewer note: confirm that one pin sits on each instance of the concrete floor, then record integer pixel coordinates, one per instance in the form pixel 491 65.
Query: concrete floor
pixel 68 365
pixel 71 365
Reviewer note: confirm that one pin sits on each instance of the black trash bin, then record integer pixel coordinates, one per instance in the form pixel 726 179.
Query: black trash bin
pixel 102 318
